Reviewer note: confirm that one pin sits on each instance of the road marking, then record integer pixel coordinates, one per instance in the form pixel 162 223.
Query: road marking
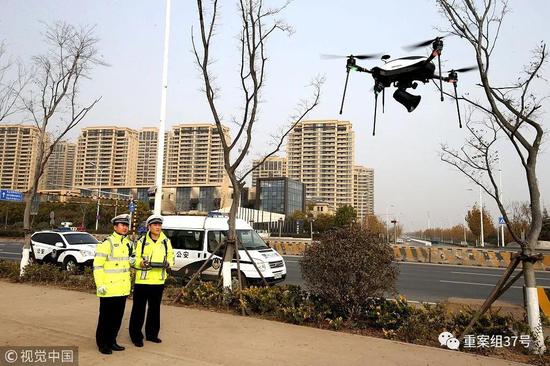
pixel 476 284
pixel 4 252
pixel 495 275
pixel 459 266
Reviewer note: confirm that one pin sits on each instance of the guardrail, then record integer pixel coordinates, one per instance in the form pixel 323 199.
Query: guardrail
pixel 436 255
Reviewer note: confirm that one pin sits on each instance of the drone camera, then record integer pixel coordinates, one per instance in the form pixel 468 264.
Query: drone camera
pixel 409 101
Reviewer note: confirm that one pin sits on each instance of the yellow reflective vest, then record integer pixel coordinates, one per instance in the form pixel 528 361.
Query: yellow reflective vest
pixel 154 252
pixel 112 265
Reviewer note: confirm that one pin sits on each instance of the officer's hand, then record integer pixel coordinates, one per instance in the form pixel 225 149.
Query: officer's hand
pixel 101 290
pixel 132 260
pixel 144 264
pixel 166 264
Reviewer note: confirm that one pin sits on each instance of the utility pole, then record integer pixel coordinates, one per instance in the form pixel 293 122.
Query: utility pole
pixel 481 216
pixel 394 222
pixel 160 151
pixel 500 199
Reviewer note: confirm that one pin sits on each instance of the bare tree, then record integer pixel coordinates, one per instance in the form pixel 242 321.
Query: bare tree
pixel 53 102
pixel 258 25
pixel 13 80
pixel 513 112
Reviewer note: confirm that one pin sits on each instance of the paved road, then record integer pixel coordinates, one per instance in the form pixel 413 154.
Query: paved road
pixel 417 281
pixel 436 282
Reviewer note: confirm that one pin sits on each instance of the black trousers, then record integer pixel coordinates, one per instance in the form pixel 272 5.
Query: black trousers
pixel 150 295
pixel 111 311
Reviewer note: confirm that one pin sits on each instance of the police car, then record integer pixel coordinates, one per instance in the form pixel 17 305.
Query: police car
pixel 72 249
pixel 194 238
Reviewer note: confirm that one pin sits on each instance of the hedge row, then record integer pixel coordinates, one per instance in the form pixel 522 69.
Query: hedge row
pixel 393 319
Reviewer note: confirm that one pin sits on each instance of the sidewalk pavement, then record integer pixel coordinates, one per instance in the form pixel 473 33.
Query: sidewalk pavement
pixel 48 316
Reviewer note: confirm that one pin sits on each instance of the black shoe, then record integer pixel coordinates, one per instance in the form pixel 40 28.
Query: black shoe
pixel 106 351
pixel 138 343
pixel 116 347
pixel 154 340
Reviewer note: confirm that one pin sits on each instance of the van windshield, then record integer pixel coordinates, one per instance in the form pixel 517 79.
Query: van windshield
pixel 248 238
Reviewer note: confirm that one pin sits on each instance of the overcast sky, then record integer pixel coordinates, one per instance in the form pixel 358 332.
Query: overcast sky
pixel 410 180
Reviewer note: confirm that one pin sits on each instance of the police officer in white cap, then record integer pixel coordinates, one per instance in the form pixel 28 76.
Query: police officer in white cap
pixel 112 278
pixel 153 257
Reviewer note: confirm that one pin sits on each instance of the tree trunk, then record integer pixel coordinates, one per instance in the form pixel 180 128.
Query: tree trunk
pixel 231 235
pixel 28 203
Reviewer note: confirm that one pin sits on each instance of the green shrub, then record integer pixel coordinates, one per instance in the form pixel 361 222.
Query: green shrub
pixel 423 324
pixel 348 267
pixel 42 226
pixel 12 233
pixel 9 269
pixel 385 314
pixel 491 323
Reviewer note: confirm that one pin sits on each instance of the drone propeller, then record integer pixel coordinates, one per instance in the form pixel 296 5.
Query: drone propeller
pixel 464 69
pixel 359 57
pixel 423 43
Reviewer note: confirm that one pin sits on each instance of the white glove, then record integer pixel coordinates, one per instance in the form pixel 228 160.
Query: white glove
pixel 132 260
pixel 101 290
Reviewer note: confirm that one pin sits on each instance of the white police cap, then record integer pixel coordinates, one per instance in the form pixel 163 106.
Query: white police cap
pixel 154 219
pixel 121 219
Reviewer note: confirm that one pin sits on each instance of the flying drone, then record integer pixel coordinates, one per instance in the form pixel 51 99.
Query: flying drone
pixel 404 73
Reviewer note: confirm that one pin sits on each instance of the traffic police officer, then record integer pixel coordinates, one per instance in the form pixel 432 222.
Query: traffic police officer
pixel 153 257
pixel 112 279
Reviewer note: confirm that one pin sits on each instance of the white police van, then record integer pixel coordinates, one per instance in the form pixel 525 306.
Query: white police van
pixel 72 249
pixel 194 238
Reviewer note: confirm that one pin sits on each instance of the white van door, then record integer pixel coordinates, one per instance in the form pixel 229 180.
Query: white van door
pixel 188 248
pixel 214 238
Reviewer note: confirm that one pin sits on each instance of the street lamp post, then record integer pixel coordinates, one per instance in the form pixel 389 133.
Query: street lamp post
pixel 481 216
pixel 98 195
pixel 162 125
pixel 280 227
pixel 500 199
pixel 387 223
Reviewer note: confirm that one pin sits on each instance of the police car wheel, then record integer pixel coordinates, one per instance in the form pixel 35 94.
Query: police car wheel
pixel 235 281
pixel 70 264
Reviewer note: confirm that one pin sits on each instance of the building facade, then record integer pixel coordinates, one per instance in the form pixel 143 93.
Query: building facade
pixel 147 156
pixel 281 195
pixel 194 156
pixel 106 157
pixel 60 170
pixel 363 191
pixel 18 151
pixel 321 155
pixel 274 166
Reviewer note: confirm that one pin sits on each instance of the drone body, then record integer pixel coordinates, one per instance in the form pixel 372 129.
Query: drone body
pixel 404 73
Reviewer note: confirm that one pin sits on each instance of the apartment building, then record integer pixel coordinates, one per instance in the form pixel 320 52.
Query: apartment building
pixel 18 149
pixel 194 155
pixel 147 156
pixel 106 157
pixel 321 155
pixel 59 173
pixel 272 167
pixel 363 191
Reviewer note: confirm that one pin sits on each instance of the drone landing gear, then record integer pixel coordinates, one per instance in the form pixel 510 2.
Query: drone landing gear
pixel 378 87
pixel 345 87
pixel 375 107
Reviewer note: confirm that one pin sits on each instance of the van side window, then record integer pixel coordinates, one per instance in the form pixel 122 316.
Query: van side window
pixel 185 239
pixel 215 238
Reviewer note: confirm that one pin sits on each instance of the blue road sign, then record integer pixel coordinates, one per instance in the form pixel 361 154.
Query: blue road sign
pixel 501 221
pixel 132 207
pixel 8 195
